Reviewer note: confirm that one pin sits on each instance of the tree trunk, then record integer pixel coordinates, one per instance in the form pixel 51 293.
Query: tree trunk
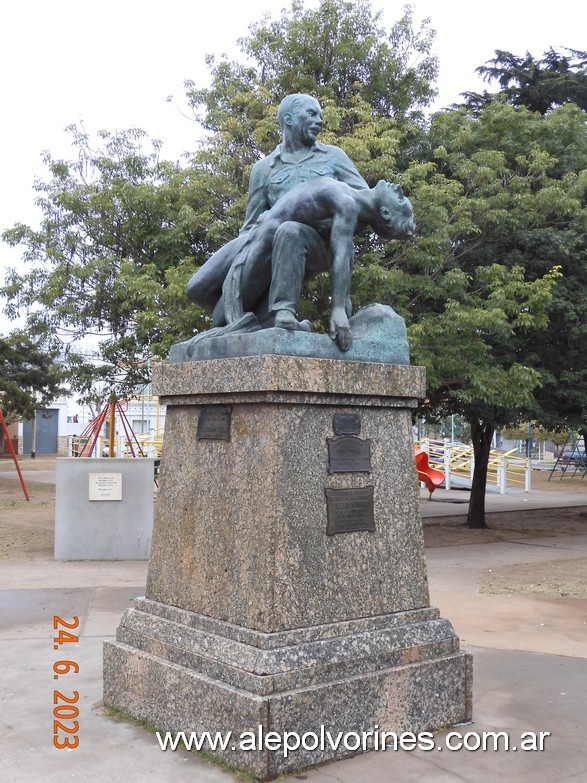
pixel 481 434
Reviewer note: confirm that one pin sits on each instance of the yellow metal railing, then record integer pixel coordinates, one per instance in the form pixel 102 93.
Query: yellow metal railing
pixel 456 461
pixel 150 446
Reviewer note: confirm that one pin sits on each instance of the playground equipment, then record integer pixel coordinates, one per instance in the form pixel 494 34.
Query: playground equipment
pixel 13 455
pixel 84 446
pixel 432 477
pixel 506 470
pixel 572 457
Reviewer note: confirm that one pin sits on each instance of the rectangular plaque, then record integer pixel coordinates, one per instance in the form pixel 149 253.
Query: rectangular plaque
pixel 346 424
pixel 105 486
pixel 349 510
pixel 214 422
pixel 349 455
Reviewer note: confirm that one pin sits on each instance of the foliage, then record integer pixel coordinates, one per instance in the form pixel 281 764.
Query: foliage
pixel 497 215
pixel 501 215
pixel 372 84
pixel 537 432
pixel 557 80
pixel 340 49
pixel 30 375
pixel 499 193
pixel 110 258
pixel 538 84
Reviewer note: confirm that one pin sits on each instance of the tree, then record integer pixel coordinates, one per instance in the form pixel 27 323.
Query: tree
pixel 110 259
pixel 501 209
pixel 30 376
pixel 542 85
pixel 498 200
pixel 539 85
pixel 464 207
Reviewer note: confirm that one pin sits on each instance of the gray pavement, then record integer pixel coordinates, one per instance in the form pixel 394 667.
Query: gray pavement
pixel 455 501
pixel 530 664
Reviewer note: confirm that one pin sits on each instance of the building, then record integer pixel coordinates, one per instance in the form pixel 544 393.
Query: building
pixel 63 421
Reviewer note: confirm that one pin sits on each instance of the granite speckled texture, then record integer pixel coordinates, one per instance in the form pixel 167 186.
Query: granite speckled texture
pixel 427 687
pixel 180 637
pixel 243 538
pixel 253 615
pixel 289 375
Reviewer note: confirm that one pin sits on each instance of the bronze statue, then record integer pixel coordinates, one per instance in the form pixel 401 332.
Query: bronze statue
pixel 305 202
pixel 312 204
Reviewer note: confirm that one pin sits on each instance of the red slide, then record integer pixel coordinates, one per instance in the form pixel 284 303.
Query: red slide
pixel 430 476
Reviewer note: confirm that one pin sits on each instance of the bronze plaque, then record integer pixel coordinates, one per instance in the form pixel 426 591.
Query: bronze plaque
pixel 214 422
pixel 347 424
pixel 349 510
pixel 349 455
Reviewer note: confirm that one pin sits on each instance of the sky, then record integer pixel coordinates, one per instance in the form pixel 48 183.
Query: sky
pixel 111 64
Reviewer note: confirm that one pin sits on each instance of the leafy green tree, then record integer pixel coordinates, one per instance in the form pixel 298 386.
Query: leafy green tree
pixel 542 85
pixel 116 244
pixel 536 432
pixel 372 84
pixel 538 84
pixel 502 206
pixel 30 375
pixel 497 196
pixel 486 195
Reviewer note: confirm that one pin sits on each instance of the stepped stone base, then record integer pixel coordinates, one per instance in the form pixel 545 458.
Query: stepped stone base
pixel 186 672
pixel 258 617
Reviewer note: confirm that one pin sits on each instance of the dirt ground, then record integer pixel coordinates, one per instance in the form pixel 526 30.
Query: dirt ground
pixel 26 527
pixel 26 533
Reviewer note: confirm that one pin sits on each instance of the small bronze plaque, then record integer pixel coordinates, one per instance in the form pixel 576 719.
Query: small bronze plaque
pixel 214 422
pixel 349 510
pixel 349 455
pixel 346 424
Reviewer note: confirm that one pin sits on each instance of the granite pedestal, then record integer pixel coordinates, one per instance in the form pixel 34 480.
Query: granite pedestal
pixel 256 613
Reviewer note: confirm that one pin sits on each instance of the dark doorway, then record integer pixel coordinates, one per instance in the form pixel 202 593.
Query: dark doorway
pixel 47 429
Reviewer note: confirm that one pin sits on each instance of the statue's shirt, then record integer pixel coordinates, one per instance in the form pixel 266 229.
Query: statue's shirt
pixel 276 174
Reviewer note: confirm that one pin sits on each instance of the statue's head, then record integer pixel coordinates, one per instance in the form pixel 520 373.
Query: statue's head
pixel 394 216
pixel 300 115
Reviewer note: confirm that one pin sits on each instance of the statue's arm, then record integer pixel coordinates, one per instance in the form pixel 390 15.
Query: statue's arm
pixel 342 248
pixel 346 171
pixel 257 203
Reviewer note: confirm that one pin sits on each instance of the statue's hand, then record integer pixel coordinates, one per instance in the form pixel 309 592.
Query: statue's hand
pixel 340 330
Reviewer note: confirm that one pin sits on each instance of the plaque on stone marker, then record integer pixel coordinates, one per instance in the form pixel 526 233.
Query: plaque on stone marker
pixel 214 422
pixel 348 454
pixel 105 486
pixel 347 424
pixel 349 510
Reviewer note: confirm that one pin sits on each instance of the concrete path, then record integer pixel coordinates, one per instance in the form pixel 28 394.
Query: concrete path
pixel 448 502
pixel 530 664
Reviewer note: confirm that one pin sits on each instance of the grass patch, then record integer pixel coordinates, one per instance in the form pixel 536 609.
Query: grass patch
pixel 240 774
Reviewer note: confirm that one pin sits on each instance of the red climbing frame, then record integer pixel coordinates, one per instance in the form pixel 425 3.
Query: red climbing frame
pixel 91 433
pixel 12 452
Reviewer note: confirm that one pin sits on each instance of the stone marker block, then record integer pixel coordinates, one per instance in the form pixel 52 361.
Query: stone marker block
pixel 103 508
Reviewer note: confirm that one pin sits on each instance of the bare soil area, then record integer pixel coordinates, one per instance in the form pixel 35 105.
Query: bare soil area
pixel 26 527
pixel 547 578
pixel 26 533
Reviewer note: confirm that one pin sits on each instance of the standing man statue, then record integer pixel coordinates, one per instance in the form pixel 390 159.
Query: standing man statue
pixel 299 251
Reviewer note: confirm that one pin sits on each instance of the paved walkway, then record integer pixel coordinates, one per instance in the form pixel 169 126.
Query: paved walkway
pixel 530 663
